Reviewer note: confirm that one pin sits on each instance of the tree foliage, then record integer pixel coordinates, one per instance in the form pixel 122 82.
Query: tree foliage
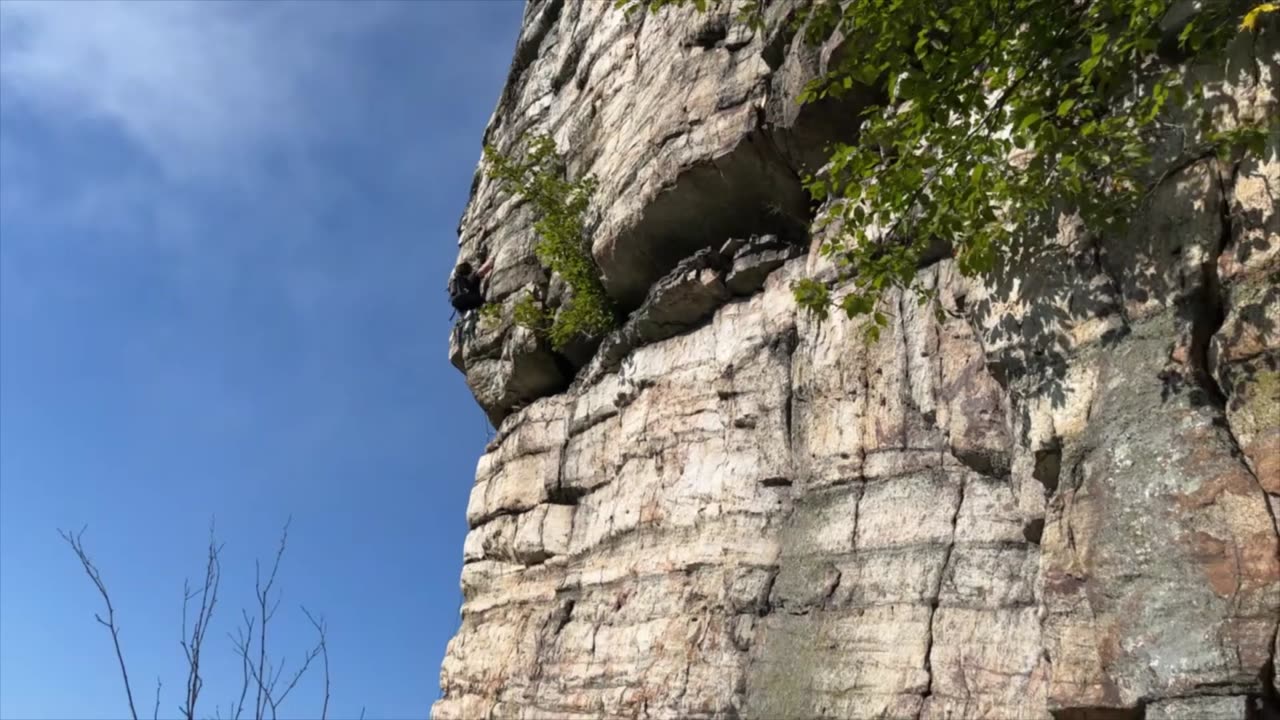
pixel 987 116
pixel 538 176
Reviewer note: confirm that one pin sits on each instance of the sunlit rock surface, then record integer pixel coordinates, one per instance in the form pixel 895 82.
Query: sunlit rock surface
pixel 1048 492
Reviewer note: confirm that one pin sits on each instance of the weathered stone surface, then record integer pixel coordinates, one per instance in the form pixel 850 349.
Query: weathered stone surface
pixel 506 365
pixel 754 260
pixel 688 295
pixel 1235 707
pixel 1245 352
pixel 711 544
pixel 713 148
pixel 1047 493
pixel 1157 525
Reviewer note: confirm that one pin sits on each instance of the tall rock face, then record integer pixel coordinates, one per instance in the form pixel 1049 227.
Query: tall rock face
pixel 1049 492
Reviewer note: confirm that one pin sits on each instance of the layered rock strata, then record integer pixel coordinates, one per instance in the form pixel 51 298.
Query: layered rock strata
pixel 1049 492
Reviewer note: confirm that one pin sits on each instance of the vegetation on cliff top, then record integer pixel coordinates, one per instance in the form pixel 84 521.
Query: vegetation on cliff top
pixel 985 117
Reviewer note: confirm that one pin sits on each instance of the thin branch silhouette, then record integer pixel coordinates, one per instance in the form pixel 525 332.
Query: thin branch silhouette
pixel 262 593
pixel 208 594
pixel 77 545
pixel 271 684
pixel 244 637
pixel 322 628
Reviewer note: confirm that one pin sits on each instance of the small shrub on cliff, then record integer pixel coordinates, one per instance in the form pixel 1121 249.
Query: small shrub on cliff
pixel 985 117
pixel 530 313
pixel 538 176
pixel 490 314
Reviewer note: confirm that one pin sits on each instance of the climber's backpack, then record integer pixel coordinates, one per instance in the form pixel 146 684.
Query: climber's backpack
pixel 464 292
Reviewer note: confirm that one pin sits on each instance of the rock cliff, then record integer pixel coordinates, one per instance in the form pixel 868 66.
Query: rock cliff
pixel 1049 492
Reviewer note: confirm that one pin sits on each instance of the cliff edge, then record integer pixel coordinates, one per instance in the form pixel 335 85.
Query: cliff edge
pixel 1052 491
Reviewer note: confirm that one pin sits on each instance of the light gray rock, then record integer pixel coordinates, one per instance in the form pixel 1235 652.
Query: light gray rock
pixel 753 261
pixel 1203 708
pixel 1050 492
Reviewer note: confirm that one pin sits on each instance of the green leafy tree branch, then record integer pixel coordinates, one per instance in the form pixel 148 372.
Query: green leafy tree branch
pixel 990 116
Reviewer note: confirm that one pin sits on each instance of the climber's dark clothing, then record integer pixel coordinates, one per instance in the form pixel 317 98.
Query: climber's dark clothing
pixel 466 295
pixel 464 291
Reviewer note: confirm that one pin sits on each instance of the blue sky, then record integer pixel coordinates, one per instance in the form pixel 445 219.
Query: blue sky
pixel 225 230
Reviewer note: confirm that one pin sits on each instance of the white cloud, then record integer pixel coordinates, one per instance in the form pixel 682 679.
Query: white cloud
pixel 204 88
pixel 257 120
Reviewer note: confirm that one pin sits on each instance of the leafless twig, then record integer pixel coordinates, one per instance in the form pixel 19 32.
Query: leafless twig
pixel 277 700
pixel 77 545
pixel 265 674
pixel 208 599
pixel 241 644
pixel 260 705
pixel 268 679
pixel 322 628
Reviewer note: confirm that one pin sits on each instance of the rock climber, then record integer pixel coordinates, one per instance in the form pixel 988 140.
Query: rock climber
pixel 466 292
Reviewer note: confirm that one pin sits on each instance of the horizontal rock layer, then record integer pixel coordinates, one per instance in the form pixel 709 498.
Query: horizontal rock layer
pixel 1051 492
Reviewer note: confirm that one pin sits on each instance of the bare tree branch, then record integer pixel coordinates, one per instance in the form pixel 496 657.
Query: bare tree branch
pixel 242 649
pixel 77 545
pixel 321 648
pixel 260 706
pixel 208 599
pixel 265 674
pixel 322 628
pixel 267 679
pixel 306 663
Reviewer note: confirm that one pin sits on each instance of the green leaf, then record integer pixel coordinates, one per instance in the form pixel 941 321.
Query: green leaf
pixel 1097 42
pixel 1065 106
pixel 922 44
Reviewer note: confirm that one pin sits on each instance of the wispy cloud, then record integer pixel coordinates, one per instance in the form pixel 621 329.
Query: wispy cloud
pixel 204 88
pixel 183 137
pixel 216 144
